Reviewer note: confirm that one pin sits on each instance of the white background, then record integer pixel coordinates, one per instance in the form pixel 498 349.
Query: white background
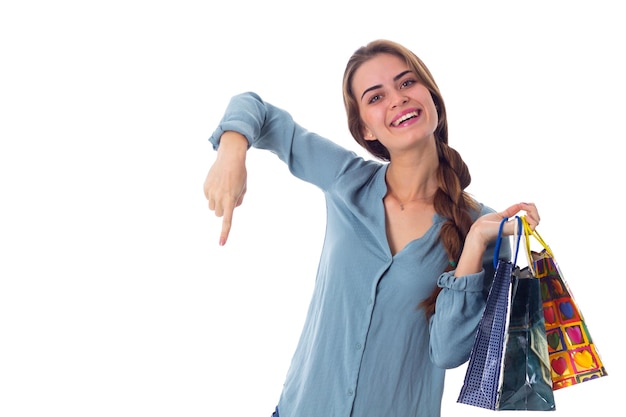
pixel 115 298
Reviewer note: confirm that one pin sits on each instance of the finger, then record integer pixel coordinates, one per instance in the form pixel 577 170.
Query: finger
pixel 510 226
pixel 532 215
pixel 215 206
pixel 239 200
pixel 206 187
pixel 227 223
pixel 512 211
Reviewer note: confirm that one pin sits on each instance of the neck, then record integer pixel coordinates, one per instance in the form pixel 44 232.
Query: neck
pixel 414 180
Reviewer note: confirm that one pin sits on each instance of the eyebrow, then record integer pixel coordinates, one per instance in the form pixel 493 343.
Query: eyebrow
pixel 396 78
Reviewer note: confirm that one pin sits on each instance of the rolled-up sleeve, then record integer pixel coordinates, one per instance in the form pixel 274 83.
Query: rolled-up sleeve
pixel 309 156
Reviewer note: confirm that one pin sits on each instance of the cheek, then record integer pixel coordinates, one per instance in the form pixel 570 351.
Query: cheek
pixel 372 117
pixel 434 112
pixel 366 120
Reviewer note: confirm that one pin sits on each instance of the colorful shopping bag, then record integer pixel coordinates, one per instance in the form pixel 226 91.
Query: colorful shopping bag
pixel 508 367
pixel 574 357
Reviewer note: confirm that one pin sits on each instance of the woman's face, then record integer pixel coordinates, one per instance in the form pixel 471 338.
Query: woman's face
pixel 394 107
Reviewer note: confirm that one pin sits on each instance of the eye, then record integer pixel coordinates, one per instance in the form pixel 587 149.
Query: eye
pixel 374 98
pixel 407 83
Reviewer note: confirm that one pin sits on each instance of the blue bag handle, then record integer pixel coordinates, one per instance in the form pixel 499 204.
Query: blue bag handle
pixel 496 252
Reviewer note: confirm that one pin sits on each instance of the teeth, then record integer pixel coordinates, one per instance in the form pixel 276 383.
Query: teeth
pixel 405 118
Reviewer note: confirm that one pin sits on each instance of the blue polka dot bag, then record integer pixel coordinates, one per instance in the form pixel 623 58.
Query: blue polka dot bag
pixel 508 367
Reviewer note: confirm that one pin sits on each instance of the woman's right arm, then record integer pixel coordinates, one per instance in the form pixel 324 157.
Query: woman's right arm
pixel 308 156
pixel 250 121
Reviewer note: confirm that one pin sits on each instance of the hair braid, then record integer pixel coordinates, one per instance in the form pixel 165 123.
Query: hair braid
pixel 454 204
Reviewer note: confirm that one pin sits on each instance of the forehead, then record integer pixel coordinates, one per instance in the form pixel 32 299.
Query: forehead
pixel 379 70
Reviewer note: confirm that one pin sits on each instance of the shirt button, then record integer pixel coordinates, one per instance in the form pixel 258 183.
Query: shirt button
pixel 358 346
pixel 350 392
pixel 370 301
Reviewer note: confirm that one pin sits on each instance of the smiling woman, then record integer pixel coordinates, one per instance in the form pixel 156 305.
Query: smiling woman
pixel 115 297
pixel 401 232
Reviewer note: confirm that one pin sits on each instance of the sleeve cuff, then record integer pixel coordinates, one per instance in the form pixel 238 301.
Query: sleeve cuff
pixel 230 125
pixel 471 282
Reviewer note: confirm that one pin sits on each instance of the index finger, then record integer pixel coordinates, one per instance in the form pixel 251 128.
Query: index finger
pixel 529 208
pixel 226 223
pixel 531 214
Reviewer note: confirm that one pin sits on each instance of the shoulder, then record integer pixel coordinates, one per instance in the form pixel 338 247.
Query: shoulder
pixel 362 182
pixel 480 210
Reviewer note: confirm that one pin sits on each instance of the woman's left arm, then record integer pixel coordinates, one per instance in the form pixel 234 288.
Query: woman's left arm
pixel 461 302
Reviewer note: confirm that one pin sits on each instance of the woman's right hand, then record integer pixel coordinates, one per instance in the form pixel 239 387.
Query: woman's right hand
pixel 225 184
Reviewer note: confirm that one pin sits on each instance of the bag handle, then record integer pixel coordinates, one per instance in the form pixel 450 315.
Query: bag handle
pixel 517 234
pixel 528 232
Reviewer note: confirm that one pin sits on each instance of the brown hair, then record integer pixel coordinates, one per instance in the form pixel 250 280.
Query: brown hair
pixel 450 201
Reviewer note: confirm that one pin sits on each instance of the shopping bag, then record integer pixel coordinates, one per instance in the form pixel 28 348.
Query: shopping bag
pixel 573 356
pixel 508 367
pixel 526 382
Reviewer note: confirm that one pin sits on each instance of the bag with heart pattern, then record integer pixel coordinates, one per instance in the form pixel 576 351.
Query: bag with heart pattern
pixel 573 355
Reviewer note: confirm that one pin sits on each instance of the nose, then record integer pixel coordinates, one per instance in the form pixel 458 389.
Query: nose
pixel 399 99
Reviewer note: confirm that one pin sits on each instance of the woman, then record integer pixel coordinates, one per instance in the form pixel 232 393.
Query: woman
pixel 407 257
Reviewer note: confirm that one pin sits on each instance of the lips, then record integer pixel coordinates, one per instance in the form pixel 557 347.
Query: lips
pixel 404 117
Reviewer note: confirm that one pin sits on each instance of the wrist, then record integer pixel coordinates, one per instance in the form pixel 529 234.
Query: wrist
pixel 470 261
pixel 476 239
pixel 233 144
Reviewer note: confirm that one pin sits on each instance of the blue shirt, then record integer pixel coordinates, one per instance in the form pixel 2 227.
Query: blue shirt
pixel 366 350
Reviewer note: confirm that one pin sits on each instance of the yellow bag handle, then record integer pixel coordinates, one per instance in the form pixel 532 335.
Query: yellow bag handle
pixel 528 232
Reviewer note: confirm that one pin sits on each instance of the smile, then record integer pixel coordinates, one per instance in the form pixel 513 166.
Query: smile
pixel 405 117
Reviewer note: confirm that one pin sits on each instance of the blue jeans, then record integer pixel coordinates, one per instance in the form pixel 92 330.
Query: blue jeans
pixel 275 413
